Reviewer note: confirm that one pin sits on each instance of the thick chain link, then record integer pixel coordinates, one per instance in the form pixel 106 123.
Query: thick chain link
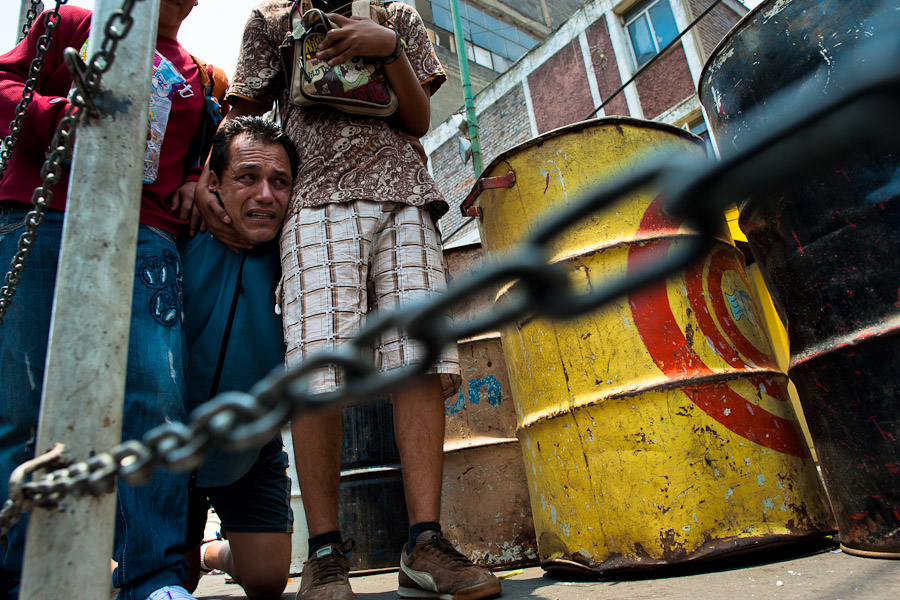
pixel 83 101
pixel 695 192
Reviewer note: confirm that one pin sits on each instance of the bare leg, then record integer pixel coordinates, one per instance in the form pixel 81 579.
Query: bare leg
pixel 317 448
pixel 259 562
pixel 419 430
pixel 193 560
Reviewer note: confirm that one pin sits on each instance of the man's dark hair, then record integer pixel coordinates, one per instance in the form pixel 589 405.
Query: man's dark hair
pixel 255 128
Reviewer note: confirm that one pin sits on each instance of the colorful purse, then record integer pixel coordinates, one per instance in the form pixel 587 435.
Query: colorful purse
pixel 358 85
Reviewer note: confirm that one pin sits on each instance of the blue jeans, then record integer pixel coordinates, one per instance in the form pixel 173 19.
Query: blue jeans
pixel 151 520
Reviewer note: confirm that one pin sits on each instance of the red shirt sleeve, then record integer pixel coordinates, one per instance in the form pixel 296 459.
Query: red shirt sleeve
pixel 52 82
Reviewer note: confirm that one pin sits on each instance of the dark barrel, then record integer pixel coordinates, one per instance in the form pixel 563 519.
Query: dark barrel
pixel 371 504
pixel 828 247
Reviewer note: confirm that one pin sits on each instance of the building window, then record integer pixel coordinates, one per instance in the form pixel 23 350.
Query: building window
pixel 696 125
pixel 489 42
pixel 701 131
pixel 651 27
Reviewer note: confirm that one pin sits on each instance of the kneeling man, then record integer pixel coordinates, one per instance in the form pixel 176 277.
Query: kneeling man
pixel 234 338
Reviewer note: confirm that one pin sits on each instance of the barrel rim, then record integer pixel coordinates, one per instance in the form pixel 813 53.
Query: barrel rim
pixel 475 192
pixel 732 33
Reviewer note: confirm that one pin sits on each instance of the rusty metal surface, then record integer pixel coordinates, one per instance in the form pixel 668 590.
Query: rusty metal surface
pixel 827 245
pixel 485 503
pixel 657 430
pixel 485 506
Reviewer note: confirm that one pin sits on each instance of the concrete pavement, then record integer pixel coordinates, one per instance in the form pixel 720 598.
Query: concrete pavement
pixel 823 575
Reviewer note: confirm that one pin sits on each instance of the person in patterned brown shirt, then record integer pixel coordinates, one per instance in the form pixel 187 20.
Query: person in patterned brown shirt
pixel 360 238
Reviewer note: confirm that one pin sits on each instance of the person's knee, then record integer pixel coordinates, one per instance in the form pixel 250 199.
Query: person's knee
pixel 264 586
pixel 262 582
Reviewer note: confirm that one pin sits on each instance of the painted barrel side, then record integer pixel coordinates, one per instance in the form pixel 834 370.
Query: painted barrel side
pixel 371 502
pixel 827 246
pixel 484 505
pixel 656 430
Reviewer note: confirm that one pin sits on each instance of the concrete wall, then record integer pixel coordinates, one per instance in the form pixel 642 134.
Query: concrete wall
pixel 606 66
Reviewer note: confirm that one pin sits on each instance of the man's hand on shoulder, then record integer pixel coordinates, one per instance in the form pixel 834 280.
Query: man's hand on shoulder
pixel 209 214
pixel 182 201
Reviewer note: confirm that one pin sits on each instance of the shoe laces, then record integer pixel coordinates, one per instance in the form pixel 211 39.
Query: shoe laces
pixel 438 544
pixel 328 568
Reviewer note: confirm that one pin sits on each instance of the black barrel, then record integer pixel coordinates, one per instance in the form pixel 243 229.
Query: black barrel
pixel 371 505
pixel 829 248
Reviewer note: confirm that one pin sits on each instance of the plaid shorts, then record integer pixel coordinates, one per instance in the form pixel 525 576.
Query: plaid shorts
pixel 343 261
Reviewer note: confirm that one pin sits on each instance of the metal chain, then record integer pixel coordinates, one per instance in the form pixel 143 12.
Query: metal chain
pixel 31 15
pixel 44 43
pixel 695 192
pixel 83 101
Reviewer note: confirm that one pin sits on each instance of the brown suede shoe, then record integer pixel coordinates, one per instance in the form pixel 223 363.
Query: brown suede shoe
pixel 326 575
pixel 436 569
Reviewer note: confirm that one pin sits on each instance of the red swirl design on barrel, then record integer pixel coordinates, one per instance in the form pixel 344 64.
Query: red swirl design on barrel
pixel 670 351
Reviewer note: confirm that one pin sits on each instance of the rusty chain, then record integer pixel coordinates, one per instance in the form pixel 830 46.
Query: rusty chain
pixel 82 102
pixel 695 191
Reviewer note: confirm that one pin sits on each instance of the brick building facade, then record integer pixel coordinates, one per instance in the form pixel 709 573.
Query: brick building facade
pixel 583 62
pixel 497 33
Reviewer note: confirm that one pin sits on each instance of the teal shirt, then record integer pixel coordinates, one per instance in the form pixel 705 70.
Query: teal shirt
pixel 234 337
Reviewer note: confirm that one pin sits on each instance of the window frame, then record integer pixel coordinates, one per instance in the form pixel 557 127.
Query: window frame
pixel 635 13
pixel 512 37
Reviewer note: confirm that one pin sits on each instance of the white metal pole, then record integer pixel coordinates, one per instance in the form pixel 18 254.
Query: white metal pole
pixel 68 552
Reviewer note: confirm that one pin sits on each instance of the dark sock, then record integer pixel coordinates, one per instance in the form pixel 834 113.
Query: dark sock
pixel 329 537
pixel 418 528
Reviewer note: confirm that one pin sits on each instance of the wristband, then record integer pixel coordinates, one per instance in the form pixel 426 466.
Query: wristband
pixel 398 50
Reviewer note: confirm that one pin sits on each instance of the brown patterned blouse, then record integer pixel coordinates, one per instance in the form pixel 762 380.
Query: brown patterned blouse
pixel 343 157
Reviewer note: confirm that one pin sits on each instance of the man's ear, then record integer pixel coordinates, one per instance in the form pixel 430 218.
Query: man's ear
pixel 213 181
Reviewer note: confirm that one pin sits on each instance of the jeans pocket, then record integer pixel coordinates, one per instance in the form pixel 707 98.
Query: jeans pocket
pixel 11 219
pixel 163 234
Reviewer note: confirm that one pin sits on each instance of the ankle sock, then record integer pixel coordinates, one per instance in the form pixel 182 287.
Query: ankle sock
pixel 420 528
pixel 329 537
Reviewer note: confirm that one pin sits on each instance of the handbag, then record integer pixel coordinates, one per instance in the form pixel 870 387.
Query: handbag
pixel 357 86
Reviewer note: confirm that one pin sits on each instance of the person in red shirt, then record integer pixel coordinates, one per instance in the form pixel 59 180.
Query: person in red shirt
pixel 151 519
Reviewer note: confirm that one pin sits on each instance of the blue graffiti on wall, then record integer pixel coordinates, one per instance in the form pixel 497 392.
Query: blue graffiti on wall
pixel 494 396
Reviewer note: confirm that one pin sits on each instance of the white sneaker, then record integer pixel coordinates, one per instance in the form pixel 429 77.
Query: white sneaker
pixel 171 592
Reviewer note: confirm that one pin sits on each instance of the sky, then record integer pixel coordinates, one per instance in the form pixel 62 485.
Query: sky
pixel 212 32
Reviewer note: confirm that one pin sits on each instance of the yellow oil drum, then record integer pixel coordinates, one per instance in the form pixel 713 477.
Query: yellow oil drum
pixel 656 430
pixel 485 506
